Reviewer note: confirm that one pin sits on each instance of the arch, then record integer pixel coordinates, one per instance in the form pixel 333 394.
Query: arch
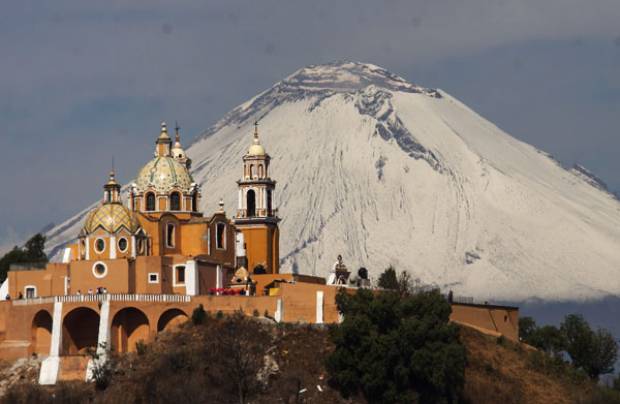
pixel 80 331
pixel 175 201
pixel 171 319
pixel 259 270
pixel 150 202
pixel 41 333
pixel 260 171
pixel 251 203
pixel 129 326
pixel 252 171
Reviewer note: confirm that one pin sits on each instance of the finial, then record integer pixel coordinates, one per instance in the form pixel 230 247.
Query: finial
pixel 176 132
pixel 256 130
pixel 164 128
pixel 221 205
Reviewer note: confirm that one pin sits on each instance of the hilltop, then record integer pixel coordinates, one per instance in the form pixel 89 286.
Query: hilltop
pixel 180 367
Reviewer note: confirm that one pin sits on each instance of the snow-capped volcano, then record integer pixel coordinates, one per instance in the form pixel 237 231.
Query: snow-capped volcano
pixel 386 172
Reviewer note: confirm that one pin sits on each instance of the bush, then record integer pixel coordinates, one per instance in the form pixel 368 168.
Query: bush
pixel 199 315
pixel 395 349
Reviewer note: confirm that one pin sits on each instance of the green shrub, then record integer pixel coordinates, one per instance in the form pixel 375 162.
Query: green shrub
pixel 397 349
pixel 199 315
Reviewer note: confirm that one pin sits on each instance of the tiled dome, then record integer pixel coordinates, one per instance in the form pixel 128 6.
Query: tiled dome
pixel 111 217
pixel 164 174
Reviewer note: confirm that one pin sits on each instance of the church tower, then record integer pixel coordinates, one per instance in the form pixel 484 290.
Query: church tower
pixel 256 217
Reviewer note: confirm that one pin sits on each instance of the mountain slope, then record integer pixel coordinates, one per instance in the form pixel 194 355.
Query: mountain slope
pixel 385 172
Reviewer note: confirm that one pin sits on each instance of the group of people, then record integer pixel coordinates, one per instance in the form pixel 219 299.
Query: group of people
pixel 98 291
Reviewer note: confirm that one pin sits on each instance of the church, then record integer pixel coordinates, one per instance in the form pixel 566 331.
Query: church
pixel 141 264
pixel 158 242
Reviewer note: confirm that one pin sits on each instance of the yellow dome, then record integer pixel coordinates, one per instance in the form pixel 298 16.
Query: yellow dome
pixel 164 174
pixel 111 217
pixel 256 150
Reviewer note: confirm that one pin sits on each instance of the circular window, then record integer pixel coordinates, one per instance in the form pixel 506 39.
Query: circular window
pixel 122 244
pixel 100 270
pixel 99 245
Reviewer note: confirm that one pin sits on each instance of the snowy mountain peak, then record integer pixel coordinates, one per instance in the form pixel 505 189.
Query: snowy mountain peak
pixel 319 82
pixel 386 172
pixel 347 77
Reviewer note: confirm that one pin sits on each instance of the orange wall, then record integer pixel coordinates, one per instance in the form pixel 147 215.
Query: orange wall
pixel 504 320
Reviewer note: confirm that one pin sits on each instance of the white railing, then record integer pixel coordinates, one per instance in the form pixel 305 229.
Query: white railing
pixel 35 300
pixel 113 297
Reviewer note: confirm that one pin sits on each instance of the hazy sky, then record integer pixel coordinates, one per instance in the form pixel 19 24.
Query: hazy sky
pixel 82 82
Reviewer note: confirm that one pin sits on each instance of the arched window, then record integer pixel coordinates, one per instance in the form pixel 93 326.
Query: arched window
pixel 220 236
pixel 259 270
pixel 252 171
pixel 251 203
pixel 175 201
pixel 170 235
pixel 150 202
pixel 260 171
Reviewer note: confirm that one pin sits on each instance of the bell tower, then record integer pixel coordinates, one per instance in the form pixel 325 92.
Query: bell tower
pixel 256 217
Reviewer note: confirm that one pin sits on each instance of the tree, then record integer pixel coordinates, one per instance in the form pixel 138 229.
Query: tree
pixel 199 315
pixel 388 279
pixel 549 339
pixel 239 354
pixel 32 252
pixel 594 352
pixel 527 327
pixel 396 349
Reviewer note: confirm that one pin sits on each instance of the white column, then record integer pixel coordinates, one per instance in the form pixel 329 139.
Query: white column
pixel 279 314
pixel 103 339
pixel 67 280
pixel 240 247
pixel 112 247
pixel 50 366
pixel 240 198
pixel 87 248
pixel 219 277
pixel 264 198
pixel 191 278
pixel 319 306
pixel 66 256
pixel 133 246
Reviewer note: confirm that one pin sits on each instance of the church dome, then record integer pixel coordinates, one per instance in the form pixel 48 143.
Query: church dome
pixel 164 174
pixel 111 217
pixel 256 150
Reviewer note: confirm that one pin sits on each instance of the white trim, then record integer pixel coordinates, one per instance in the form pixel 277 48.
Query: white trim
pixel 319 306
pixel 87 248
pixel 66 256
pixel 95 245
pixel 26 291
pixel 156 277
pixel 219 277
pixel 67 284
pixel 104 272
pixel 112 247
pixel 191 278
pixel 119 242
pixel 133 246
pixel 174 275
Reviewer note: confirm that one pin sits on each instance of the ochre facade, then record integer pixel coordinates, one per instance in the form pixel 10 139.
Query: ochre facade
pixel 141 266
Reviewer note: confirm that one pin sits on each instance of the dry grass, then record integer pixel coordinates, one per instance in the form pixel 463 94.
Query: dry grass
pixel 178 367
